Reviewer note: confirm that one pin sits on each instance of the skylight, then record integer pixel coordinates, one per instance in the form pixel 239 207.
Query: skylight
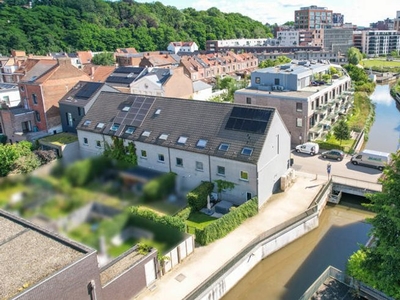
pixel 182 140
pixel 100 125
pixel 126 108
pixel 247 151
pixel 114 127
pixel 163 136
pixel 223 147
pixel 158 111
pixel 146 133
pixel 130 130
pixel 87 123
pixel 201 143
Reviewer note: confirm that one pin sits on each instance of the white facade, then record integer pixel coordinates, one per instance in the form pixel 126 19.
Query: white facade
pixel 380 42
pixel 188 47
pixel 9 95
pixel 288 38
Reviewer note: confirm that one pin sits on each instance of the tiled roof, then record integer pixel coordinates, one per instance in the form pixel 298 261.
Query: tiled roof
pixel 179 117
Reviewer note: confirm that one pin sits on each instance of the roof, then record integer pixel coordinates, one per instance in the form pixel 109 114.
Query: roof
pixel 29 254
pixel 200 85
pixel 81 93
pixel 160 75
pixel 191 125
pixel 8 86
pixel 19 110
pixel 125 75
pixel 40 68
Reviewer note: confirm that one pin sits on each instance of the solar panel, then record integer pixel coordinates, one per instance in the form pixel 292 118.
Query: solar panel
pixel 138 109
pixel 88 90
pixel 248 120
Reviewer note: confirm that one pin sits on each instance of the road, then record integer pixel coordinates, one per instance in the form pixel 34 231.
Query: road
pixel 318 165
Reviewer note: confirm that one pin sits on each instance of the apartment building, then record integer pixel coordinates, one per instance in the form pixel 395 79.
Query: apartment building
pixel 313 17
pixel 309 106
pixel 197 140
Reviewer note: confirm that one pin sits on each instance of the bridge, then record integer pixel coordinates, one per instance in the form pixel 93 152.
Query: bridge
pixel 351 186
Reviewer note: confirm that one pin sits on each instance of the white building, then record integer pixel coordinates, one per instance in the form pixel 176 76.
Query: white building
pixel 183 47
pixel 288 38
pixel 380 42
pixel 197 140
pixel 9 94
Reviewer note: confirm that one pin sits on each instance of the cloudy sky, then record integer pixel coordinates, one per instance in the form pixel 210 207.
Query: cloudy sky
pixel 358 12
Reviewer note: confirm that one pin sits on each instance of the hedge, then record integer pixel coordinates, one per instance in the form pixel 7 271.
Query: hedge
pixel 197 198
pixel 184 213
pixel 227 223
pixel 160 187
pixel 174 222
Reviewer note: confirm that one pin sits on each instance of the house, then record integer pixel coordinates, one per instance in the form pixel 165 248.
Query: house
pixel 309 105
pixel 163 82
pixel 9 97
pixel 123 77
pixel 160 60
pixel 182 47
pixel 202 90
pixel 197 140
pixel 84 57
pixel 45 82
pixel 75 104
pixel 128 59
pixel 98 73
pixel 39 264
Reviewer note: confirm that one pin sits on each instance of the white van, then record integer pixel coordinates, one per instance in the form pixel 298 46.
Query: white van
pixel 371 158
pixel 309 148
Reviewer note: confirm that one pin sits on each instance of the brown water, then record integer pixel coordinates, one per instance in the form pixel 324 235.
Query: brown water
pixel 288 273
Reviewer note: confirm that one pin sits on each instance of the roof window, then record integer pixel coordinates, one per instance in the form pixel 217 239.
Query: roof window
pixel 146 133
pixel 247 151
pixel 182 140
pixel 223 147
pixel 201 143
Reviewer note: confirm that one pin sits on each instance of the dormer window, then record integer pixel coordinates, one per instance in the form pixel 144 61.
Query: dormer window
pixel 247 151
pixel 201 143
pixel 114 127
pixel 182 140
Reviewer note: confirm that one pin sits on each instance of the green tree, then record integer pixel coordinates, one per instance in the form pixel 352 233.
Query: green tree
pixel 9 153
pixel 125 154
pixel 354 56
pixel 104 59
pixel 378 265
pixel 341 131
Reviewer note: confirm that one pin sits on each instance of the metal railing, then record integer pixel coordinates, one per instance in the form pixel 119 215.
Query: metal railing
pixel 362 184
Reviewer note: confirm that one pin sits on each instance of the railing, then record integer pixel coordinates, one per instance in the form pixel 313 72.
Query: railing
pixel 362 184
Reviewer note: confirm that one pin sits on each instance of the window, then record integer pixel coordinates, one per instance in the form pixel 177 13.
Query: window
pixel 130 130
pixel 223 147
pixel 22 88
pixel 244 175
pixel 179 162
pixel 247 151
pixel 220 170
pixel 70 121
pixel 199 166
pixel 37 115
pixel 100 125
pixel 85 141
pixel 114 127
pixel 299 122
pixel 182 140
pixel 98 144
pixel 201 143
pixel 6 99
pixel 146 133
pixel 126 108
pixel 163 136
pixel 80 111
pixel 258 80
pixel 161 157
pixel 34 98
pixel 87 123
pixel 143 153
pixel 248 100
pixel 276 80
pixel 299 106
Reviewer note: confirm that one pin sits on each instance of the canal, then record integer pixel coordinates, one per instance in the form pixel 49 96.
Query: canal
pixel 287 274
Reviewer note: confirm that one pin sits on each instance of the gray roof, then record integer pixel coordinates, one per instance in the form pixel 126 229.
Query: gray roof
pixel 81 93
pixel 211 122
pixel 29 255
pixel 200 85
pixel 20 110
pixel 125 75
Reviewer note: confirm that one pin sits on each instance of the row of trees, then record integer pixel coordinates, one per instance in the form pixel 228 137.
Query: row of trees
pixel 98 25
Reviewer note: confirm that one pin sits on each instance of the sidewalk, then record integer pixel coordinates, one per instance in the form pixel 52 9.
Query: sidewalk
pixel 195 269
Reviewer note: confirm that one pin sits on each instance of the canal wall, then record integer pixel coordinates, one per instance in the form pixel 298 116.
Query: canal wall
pixel 264 245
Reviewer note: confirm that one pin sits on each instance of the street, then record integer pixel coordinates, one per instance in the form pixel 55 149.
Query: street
pixel 317 165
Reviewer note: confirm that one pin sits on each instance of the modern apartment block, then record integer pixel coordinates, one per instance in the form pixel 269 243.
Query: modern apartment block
pixel 309 106
pixel 379 42
pixel 338 39
pixel 313 17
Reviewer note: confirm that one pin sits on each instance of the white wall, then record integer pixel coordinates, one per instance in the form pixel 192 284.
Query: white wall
pixel 13 95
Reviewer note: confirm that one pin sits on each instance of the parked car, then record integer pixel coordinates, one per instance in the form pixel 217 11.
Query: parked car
pixel 333 154
pixel 309 148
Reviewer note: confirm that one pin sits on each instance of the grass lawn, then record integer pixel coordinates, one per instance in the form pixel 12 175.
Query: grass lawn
pixel 60 138
pixel 198 220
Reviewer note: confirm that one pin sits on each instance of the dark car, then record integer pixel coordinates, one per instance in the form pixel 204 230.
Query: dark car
pixel 333 154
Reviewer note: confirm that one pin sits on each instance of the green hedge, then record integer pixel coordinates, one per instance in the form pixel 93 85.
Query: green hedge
pixel 197 198
pixel 184 213
pixel 329 146
pixel 159 188
pixel 174 222
pixel 227 223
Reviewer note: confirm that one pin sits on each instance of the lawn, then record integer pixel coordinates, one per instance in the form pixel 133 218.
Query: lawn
pixel 198 220
pixel 380 63
pixel 60 138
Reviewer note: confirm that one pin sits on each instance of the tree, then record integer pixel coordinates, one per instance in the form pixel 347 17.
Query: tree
pixel 378 266
pixel 354 56
pixel 341 131
pixel 104 59
pixel 9 153
pixel 223 185
pixel 121 153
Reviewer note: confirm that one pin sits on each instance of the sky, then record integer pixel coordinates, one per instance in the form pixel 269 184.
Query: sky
pixel 357 12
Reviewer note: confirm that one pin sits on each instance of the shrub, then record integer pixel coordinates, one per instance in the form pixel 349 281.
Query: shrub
pixel 184 213
pixel 174 222
pixel 227 223
pixel 197 198
pixel 45 156
pixel 25 164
